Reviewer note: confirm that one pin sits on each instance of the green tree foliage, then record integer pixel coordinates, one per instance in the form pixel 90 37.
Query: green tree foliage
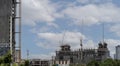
pixel 72 65
pixel 117 62
pixel 108 62
pixel 7 58
pixel 15 64
pixel 80 65
pixel 93 63
pixel 54 65
pixel 77 65
pixel 21 64
pixel 1 60
pixel 27 63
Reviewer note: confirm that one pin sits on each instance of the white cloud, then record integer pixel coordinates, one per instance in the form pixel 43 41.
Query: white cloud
pixel 42 29
pixel 93 14
pixel 111 45
pixel 93 1
pixel 116 29
pixel 34 11
pixel 53 24
pixel 42 56
pixel 83 1
pixel 90 44
pixel 55 39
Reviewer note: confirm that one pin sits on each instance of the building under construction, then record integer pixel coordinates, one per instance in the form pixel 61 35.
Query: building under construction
pixel 8 16
pixel 82 56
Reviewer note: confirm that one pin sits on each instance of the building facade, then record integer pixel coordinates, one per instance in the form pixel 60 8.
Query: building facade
pixel 62 62
pixel 82 55
pixel 7 26
pixel 39 62
pixel 117 55
pixel 17 55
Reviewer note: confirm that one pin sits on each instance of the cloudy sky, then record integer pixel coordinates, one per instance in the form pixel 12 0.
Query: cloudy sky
pixel 45 22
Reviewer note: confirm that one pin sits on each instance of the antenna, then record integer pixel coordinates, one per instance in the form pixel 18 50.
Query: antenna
pixel 27 54
pixel 103 36
pixel 81 39
pixel 63 37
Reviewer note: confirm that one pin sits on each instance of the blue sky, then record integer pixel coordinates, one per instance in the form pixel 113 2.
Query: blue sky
pixel 44 23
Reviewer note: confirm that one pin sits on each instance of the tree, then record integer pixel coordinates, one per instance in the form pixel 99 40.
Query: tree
pixel 7 58
pixel 27 63
pixel 72 64
pixel 117 62
pixel 15 64
pixel 108 62
pixel 1 60
pixel 21 64
pixel 93 63
pixel 80 65
pixel 54 65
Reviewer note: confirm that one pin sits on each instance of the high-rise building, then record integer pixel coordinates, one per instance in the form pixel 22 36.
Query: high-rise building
pixel 117 52
pixel 7 26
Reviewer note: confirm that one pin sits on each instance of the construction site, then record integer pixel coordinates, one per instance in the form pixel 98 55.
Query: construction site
pixel 45 26
pixel 10 33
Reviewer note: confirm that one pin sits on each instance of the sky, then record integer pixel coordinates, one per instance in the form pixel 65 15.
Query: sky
pixel 45 22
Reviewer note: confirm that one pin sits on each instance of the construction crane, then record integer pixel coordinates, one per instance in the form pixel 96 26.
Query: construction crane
pixel 81 40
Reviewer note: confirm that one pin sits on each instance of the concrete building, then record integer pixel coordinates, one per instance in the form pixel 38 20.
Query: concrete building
pixel 117 55
pixel 62 62
pixel 17 55
pixel 39 62
pixel 7 26
pixel 81 56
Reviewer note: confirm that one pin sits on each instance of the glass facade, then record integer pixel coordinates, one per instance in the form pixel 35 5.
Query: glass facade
pixel 5 14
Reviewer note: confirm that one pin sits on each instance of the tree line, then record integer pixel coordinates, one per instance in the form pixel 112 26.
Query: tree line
pixel 107 62
pixel 6 61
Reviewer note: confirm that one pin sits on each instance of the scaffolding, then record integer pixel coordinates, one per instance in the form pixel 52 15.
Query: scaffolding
pixel 18 31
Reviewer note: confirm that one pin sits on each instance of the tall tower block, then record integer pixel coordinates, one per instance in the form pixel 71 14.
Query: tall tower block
pixel 7 27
